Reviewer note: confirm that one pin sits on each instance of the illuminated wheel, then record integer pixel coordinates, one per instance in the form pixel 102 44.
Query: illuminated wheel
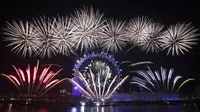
pixel 95 62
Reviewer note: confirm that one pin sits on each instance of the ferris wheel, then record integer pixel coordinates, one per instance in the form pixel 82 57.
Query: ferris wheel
pixel 95 62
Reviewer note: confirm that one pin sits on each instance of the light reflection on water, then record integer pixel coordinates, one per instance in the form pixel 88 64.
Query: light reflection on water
pixel 135 108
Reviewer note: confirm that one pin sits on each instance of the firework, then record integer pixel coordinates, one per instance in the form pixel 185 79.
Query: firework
pixel 87 25
pixel 114 36
pixel 179 38
pixel 97 61
pixel 97 75
pixel 87 29
pixel 139 63
pixel 22 37
pixel 136 29
pixel 98 66
pixel 63 30
pixel 96 89
pixel 31 84
pixel 153 36
pixel 46 37
pixel 159 81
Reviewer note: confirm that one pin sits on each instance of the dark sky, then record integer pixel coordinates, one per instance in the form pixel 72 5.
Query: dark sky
pixel 166 12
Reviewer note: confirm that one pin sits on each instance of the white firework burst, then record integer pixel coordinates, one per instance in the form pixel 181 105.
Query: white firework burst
pixel 179 38
pixel 63 30
pixel 87 25
pixel 136 29
pixel 96 89
pixel 153 36
pixel 159 81
pixel 22 37
pixel 46 37
pixel 97 67
pixel 114 36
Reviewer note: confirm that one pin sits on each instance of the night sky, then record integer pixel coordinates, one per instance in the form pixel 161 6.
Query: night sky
pixel 167 12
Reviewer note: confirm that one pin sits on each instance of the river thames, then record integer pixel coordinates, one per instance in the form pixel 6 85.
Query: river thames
pixel 134 108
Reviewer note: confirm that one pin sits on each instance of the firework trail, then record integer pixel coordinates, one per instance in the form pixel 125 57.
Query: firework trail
pixel 30 83
pixel 96 89
pixel 159 81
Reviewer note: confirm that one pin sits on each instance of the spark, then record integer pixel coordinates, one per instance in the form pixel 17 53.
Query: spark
pixel 179 38
pixel 12 78
pixel 22 74
pixel 52 82
pixel 15 79
pixel 190 79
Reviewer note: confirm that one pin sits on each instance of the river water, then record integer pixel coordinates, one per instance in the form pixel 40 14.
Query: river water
pixel 134 108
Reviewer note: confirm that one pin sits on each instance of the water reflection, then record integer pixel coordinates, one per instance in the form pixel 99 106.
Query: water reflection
pixel 9 107
pixel 91 109
pixel 135 108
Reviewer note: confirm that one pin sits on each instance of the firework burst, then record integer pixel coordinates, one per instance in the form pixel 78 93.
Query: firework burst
pixel 63 30
pixel 98 66
pixel 159 81
pixel 114 36
pixel 46 37
pixel 97 62
pixel 96 89
pixel 179 38
pixel 22 37
pixel 87 25
pixel 29 83
pixel 136 29
pixel 153 36
pixel 98 76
